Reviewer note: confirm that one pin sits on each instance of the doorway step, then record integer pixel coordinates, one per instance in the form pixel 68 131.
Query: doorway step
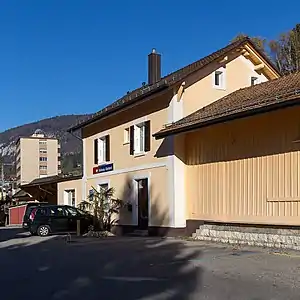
pixel 138 232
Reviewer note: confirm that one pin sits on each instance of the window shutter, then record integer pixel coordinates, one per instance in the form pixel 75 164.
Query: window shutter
pixel 96 151
pixel 107 148
pixel 131 134
pixel 147 136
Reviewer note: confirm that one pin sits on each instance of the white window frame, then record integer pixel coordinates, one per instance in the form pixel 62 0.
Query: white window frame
pixel 139 138
pixel 102 150
pixel 257 81
pixel 101 183
pixel 221 71
pixel 68 195
pixel 126 136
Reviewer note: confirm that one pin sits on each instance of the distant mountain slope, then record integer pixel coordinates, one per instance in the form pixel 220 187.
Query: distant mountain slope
pixel 52 127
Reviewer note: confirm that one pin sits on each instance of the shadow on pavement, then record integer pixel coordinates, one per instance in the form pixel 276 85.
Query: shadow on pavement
pixel 91 268
pixel 8 233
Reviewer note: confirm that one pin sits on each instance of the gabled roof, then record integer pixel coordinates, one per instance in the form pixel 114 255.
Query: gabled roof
pixel 169 80
pixel 270 95
pixel 21 194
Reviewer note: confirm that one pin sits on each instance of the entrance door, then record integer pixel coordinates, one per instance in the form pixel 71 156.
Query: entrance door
pixel 143 201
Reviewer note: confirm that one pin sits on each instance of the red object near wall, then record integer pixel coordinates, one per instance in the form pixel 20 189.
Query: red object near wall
pixel 16 214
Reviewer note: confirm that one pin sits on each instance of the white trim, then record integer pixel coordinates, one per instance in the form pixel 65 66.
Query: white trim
pixel 68 190
pixel 180 199
pixel 126 135
pixel 83 196
pixel 102 150
pixel 138 143
pixel 127 170
pixel 171 184
pixel 176 176
pixel 222 86
pixel 257 81
pixel 103 181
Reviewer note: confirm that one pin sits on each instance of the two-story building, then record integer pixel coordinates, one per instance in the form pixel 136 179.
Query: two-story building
pixel 118 144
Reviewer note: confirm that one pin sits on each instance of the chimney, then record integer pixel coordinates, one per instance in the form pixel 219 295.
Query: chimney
pixel 154 67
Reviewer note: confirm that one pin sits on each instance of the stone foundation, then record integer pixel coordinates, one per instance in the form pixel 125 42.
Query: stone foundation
pixel 253 236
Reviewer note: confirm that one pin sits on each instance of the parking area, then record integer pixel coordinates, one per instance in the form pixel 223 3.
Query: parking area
pixel 141 268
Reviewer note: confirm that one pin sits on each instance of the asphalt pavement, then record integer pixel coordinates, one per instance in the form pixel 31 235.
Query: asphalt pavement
pixel 141 268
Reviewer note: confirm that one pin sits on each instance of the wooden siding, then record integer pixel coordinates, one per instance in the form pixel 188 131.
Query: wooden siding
pixel 246 170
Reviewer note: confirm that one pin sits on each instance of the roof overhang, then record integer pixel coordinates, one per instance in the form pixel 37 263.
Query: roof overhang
pixel 147 94
pixel 293 101
pixel 57 179
pixel 261 61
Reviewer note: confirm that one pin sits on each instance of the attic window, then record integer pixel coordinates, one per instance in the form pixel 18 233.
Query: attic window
pixel 219 78
pixel 254 80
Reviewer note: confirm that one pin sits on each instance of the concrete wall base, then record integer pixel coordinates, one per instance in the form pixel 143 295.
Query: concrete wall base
pixel 264 237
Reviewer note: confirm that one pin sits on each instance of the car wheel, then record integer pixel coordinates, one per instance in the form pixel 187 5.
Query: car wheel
pixel 43 230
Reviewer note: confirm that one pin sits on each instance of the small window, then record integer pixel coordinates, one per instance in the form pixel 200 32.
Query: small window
pixel 43 167
pixel 254 80
pixel 102 149
pixel 43 158
pixel 43 151
pixel 103 187
pixel 139 138
pixel 219 78
pixel 71 199
pixel 126 135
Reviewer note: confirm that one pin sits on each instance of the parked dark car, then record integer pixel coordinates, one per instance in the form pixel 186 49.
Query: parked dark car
pixel 30 206
pixel 44 220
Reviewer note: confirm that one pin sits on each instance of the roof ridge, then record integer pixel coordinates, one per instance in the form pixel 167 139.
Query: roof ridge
pixel 238 42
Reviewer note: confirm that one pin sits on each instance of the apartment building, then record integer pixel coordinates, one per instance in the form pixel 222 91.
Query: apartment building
pixel 149 173
pixel 37 156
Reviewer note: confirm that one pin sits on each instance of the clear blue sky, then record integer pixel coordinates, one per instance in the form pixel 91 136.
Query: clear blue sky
pixel 71 57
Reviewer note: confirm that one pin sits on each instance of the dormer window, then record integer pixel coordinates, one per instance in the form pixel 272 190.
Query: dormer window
pixel 219 79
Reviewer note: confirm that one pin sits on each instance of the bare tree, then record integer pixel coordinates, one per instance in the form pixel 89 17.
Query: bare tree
pixel 259 42
pixel 285 51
